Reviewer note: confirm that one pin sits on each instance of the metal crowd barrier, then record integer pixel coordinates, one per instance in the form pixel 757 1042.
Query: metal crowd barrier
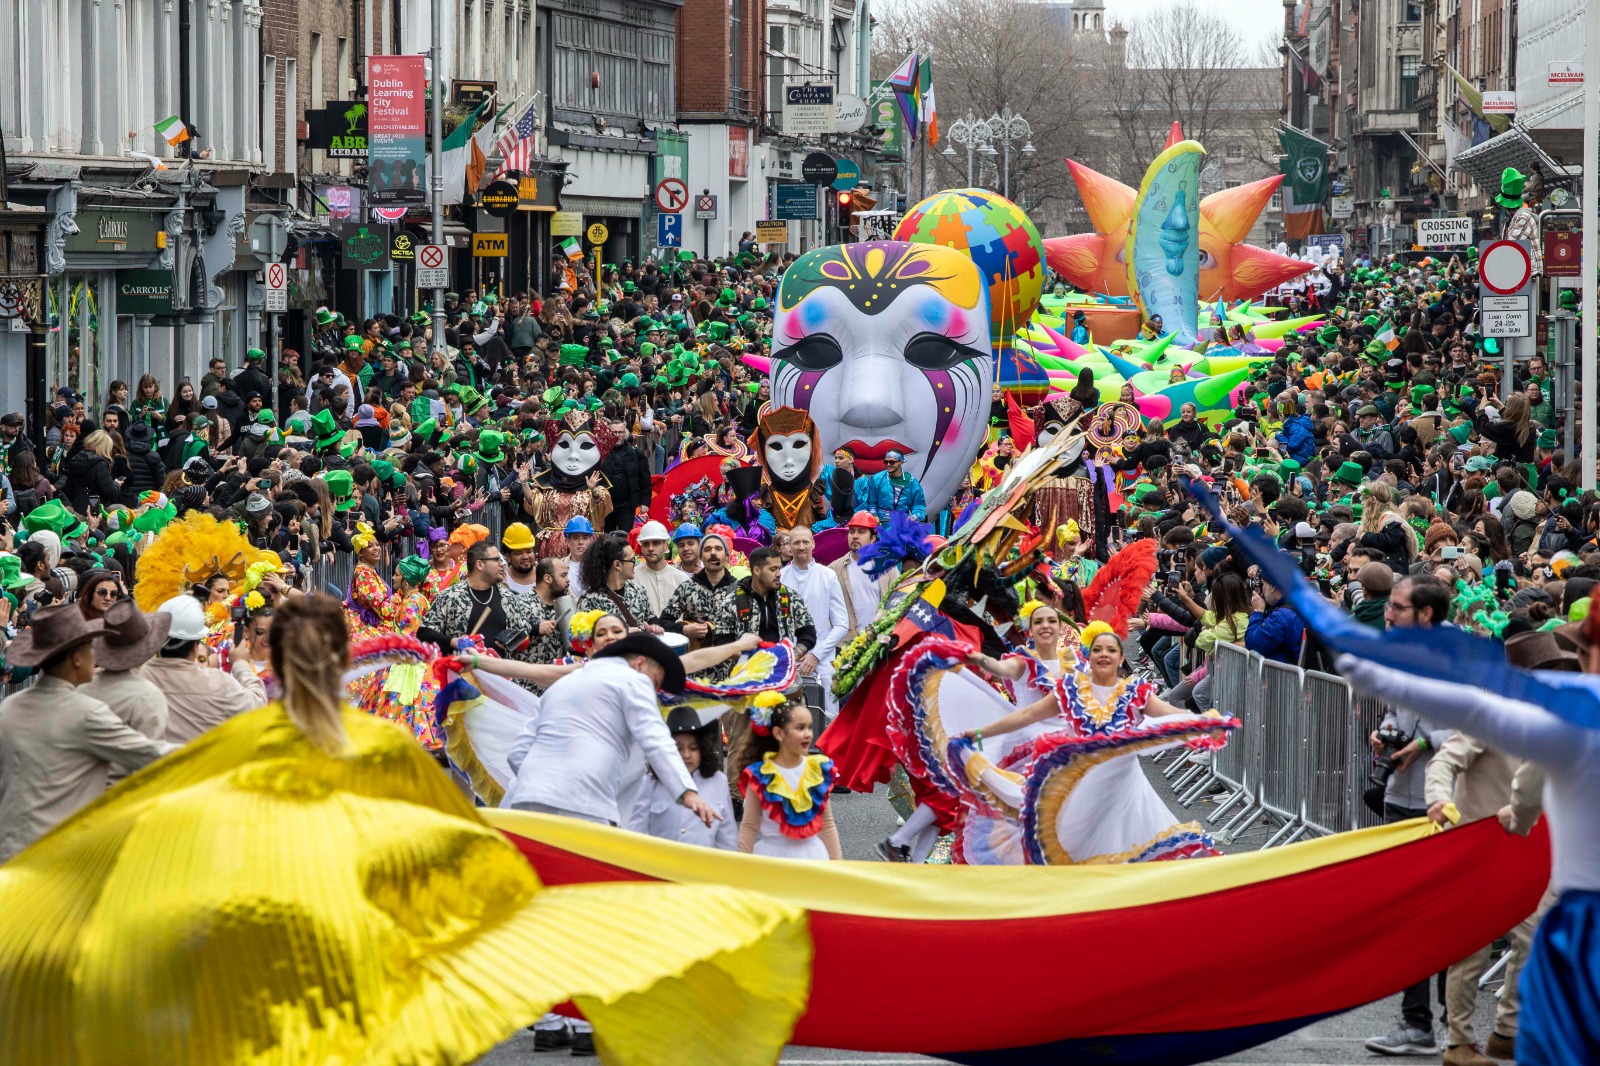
pixel 1299 760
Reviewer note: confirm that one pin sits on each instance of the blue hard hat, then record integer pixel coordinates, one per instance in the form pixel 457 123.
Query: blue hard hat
pixel 687 530
pixel 578 524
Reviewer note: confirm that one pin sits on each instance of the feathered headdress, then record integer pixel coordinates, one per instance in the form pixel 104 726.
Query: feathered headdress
pixel 901 539
pixel 189 552
pixel 581 630
pixel 1114 594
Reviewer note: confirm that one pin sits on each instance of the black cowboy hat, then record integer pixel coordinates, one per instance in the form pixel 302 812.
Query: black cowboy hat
pixel 647 645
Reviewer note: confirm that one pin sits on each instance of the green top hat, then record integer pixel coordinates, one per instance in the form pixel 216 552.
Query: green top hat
pixel 686 256
pixel 51 515
pixel 1569 299
pixel 491 446
pixel 11 573
pixel 324 316
pixel 252 355
pixel 552 395
pixel 427 430
pixel 628 381
pixel 419 318
pixel 324 430
pixel 1547 439
pixel 471 399
pixel 727 298
pixel 717 331
pixel 265 417
pixel 574 355
pixel 758 304
pixel 491 298
pixel 1512 182
pixel 1349 474
pixel 352 342
pixel 341 486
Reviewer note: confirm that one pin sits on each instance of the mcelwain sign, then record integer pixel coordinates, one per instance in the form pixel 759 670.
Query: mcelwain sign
pixel 340 129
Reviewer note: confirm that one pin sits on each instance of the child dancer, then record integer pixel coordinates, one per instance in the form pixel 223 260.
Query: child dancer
pixel 786 812
pixel 658 813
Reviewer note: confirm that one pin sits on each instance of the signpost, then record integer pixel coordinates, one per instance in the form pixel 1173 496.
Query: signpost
pixel 402 249
pixel 772 231
pixel 491 245
pixel 431 270
pixel 500 199
pixel 819 168
pixel 847 175
pixel 396 126
pixel 566 223
pixel 671 195
pixel 705 209
pixel 669 231
pixel 1444 232
pixel 795 203
pixel 597 236
pixel 277 277
pixel 809 109
pixel 1505 296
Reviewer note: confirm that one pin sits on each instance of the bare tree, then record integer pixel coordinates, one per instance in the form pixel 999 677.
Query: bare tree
pixel 989 55
pixel 1185 63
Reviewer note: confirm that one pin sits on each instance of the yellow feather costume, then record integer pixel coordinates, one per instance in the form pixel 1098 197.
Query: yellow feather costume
pixel 188 552
pixel 252 900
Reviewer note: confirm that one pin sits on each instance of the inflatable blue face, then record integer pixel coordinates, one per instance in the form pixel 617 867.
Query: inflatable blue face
pixel 886 345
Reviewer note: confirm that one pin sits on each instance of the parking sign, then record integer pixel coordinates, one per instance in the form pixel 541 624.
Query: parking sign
pixel 669 231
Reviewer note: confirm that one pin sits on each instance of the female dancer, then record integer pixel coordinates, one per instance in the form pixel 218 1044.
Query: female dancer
pixel 1029 677
pixel 317 840
pixel 402 693
pixel 369 606
pixel 786 812
pixel 1112 813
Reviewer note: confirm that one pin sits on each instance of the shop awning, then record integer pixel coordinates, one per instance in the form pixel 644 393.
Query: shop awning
pixel 1513 148
pixel 603 206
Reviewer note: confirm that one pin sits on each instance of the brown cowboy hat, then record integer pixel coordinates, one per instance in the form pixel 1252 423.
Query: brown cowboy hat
pixel 1540 650
pixel 54 630
pixel 130 638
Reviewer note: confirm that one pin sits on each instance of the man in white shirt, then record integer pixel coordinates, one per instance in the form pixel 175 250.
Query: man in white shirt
pixel 819 588
pixel 657 576
pixel 570 759
pixel 862 592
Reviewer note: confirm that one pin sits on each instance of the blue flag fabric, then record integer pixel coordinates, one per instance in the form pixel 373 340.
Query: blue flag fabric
pixel 1441 653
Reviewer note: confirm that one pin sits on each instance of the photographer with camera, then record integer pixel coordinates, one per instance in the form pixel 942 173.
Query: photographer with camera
pixel 1402 747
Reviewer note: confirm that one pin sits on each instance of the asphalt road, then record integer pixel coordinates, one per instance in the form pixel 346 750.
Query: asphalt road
pixel 865 820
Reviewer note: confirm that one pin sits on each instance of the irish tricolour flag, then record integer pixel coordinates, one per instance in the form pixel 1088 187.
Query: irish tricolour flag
pixel 1387 338
pixel 174 129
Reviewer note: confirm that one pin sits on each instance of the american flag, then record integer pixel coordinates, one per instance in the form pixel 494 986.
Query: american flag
pixel 516 145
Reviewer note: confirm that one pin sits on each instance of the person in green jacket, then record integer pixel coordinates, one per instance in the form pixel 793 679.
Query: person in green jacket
pixel 1377 579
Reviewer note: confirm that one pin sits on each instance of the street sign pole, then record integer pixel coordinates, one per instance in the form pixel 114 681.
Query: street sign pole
pixel 1591 237
pixel 437 233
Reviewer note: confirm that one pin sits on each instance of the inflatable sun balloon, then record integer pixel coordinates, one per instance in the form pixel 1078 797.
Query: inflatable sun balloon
pixel 1229 268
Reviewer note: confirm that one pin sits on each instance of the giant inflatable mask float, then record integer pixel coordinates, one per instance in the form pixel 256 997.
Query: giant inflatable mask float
pixel 886 345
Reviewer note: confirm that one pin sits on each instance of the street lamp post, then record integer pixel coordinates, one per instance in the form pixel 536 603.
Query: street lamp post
pixel 1006 127
pixel 972 132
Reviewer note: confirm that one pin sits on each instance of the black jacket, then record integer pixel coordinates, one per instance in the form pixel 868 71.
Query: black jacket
pixel 146 472
pixel 251 380
pixel 89 475
pixel 628 470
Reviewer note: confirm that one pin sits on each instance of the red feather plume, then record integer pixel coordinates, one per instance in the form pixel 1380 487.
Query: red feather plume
pixel 1114 594
pixel 1021 425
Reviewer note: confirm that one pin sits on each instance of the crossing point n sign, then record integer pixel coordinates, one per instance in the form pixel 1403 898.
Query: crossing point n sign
pixel 1444 232
pixel 277 279
pixel 1505 301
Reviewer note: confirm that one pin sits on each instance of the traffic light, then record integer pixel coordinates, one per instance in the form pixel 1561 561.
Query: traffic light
pixel 844 200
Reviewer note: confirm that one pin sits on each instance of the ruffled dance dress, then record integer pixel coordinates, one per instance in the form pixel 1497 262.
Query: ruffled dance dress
pixel 1062 796
pixel 253 900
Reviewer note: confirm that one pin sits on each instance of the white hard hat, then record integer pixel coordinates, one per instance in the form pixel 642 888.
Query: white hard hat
pixel 188 618
pixel 653 530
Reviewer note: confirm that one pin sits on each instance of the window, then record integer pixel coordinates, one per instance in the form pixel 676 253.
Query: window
pixel 1410 70
pixel 1276 203
pixel 736 88
pixel 1236 153
pixel 291 90
pixel 635 68
pixel 314 57
pixel 341 78
pixel 269 113
pixel 1413 10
